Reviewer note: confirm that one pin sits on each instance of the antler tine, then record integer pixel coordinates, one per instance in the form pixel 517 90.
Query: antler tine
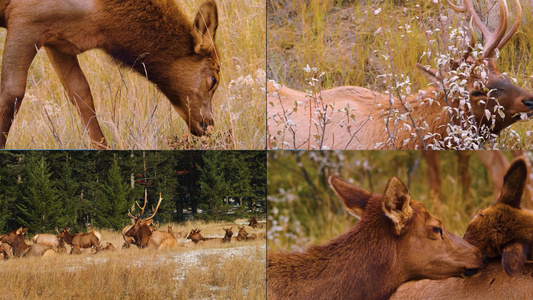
pixel 144 206
pixel 157 207
pixel 513 30
pixel 457 8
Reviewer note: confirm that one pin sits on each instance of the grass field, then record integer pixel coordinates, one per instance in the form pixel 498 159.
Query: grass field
pixel 361 43
pixel 303 210
pixel 211 271
pixel 134 115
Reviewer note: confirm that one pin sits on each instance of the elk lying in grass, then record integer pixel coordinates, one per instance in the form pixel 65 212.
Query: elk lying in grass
pixel 228 235
pixel 153 37
pixel 366 119
pixel 503 229
pixel 80 240
pixel 397 240
pixel 143 234
pixel 109 247
pixel 5 249
pixel 15 239
pixel 50 240
pixel 243 235
pixel 254 224
pixel 178 235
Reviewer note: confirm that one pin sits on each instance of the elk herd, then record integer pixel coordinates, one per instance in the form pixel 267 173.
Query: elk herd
pixel 141 234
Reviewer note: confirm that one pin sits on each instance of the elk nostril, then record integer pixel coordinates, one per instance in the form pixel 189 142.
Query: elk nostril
pixel 202 125
pixel 528 103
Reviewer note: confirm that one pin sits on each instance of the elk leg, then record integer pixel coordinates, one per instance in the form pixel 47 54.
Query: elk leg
pixel 78 91
pixel 15 64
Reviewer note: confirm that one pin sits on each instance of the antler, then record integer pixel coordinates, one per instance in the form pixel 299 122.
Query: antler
pixel 153 215
pixel 496 39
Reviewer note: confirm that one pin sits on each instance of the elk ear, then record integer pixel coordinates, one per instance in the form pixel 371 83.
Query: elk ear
pixel 396 204
pixel 148 222
pixel 205 26
pixel 353 198
pixel 514 182
pixel 431 74
pixel 513 257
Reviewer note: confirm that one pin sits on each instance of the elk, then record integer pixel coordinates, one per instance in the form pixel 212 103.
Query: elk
pixel 504 228
pixel 80 240
pixel 152 37
pixel 143 234
pixel 50 240
pixel 178 235
pixel 5 249
pixel 504 232
pixel 15 239
pixel 364 119
pixel 228 235
pixel 243 235
pixel 109 247
pixel 396 240
pixel 254 224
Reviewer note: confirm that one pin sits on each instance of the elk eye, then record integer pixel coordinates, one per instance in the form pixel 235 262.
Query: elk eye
pixel 213 82
pixel 477 94
pixel 437 230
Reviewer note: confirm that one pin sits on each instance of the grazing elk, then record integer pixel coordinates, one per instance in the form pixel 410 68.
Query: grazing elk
pixel 254 224
pixel 80 240
pixel 177 235
pixel 143 234
pixel 228 235
pixel 243 235
pixel 396 240
pixel 152 37
pixel 15 239
pixel 370 123
pixel 503 229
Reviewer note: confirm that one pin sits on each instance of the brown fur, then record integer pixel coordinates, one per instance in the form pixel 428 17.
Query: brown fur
pixel 254 224
pixel 15 239
pixel 228 235
pixel 243 235
pixel 396 240
pixel 142 233
pixel 153 37
pixel 491 283
pixel 177 235
pixel 372 132
pixel 80 240
pixel 505 228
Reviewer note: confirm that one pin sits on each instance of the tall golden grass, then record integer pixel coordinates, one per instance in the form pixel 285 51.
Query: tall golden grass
pixel 356 42
pixel 303 210
pixel 135 115
pixel 210 271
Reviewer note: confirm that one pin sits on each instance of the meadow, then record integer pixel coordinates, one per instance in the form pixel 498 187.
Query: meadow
pixel 303 209
pixel 315 45
pixel 209 270
pixel 133 114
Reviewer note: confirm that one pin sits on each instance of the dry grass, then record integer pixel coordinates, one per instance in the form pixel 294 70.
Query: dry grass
pixel 210 271
pixel 135 115
pixel 356 42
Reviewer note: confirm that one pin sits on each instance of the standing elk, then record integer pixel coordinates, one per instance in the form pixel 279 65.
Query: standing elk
pixel 502 230
pixel 80 240
pixel 396 240
pixel 371 124
pixel 152 37
pixel 143 234
pixel 15 239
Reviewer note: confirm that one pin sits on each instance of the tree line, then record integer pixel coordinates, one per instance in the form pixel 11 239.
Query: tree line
pixel 45 190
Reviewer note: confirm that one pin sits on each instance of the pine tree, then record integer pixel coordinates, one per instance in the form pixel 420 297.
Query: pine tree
pixel 113 206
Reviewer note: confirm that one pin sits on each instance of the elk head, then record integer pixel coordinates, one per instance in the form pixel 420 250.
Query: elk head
pixel 141 230
pixel 496 90
pixel 190 81
pixel 504 228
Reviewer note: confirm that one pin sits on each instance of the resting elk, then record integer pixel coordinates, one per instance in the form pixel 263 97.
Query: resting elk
pixel 503 231
pixel 396 240
pixel 373 124
pixel 228 235
pixel 178 235
pixel 243 235
pixel 152 37
pixel 80 240
pixel 143 234
pixel 254 223
pixel 50 240
pixel 15 239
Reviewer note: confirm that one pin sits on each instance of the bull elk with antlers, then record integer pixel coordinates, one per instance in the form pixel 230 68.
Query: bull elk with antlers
pixel 143 234
pixel 366 119
pixel 152 37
